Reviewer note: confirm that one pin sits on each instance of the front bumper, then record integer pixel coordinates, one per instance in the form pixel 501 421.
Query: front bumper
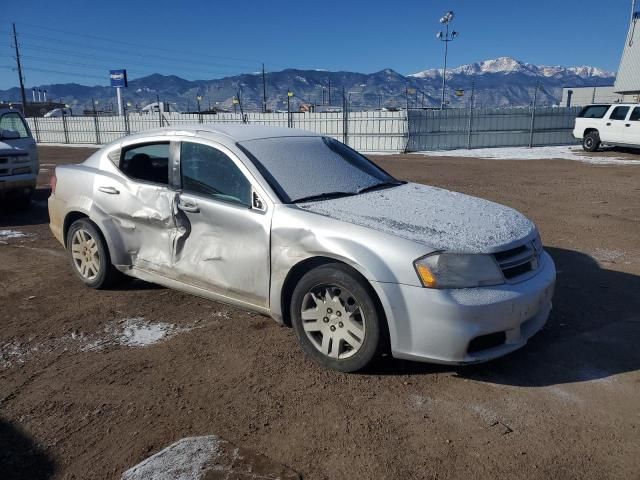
pixel 439 325
pixel 17 183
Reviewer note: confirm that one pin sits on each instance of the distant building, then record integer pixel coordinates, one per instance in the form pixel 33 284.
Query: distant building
pixel 628 77
pixel 579 96
pixel 627 85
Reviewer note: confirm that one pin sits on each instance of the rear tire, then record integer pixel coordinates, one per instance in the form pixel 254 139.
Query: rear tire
pixel 335 318
pixel 89 255
pixel 23 202
pixel 591 142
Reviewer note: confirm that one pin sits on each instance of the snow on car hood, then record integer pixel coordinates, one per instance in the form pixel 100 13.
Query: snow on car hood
pixel 439 218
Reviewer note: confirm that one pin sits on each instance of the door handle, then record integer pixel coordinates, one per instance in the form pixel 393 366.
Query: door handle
pixel 188 207
pixel 608 124
pixel 627 124
pixel 109 190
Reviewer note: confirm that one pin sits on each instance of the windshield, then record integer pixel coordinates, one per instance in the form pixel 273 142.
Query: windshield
pixel 300 168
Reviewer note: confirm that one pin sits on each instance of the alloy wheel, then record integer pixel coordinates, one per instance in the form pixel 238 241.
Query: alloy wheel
pixel 86 257
pixel 333 321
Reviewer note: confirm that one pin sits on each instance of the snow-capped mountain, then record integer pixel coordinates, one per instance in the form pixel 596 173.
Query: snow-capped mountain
pixel 503 81
pixel 509 65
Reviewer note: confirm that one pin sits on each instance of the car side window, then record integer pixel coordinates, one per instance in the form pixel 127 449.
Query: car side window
pixel 14 122
pixel 594 111
pixel 635 115
pixel 207 171
pixel 619 113
pixel 148 163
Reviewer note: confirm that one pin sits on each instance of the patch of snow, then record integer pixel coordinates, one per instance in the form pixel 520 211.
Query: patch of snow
pixel 438 218
pixel 6 234
pixel 185 459
pixel 137 332
pixel 535 153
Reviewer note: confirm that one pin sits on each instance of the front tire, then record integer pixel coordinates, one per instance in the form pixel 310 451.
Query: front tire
pixel 89 255
pixel 335 318
pixel 591 142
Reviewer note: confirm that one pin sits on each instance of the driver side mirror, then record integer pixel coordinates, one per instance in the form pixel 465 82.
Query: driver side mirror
pixel 9 135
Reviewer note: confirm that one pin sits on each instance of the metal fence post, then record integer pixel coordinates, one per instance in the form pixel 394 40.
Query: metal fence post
pixel 96 126
pixel 533 115
pixel 36 129
pixel 126 122
pixel 469 126
pixel 65 129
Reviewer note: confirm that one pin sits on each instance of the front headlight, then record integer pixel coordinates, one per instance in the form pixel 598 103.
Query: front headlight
pixel 458 270
pixel 22 159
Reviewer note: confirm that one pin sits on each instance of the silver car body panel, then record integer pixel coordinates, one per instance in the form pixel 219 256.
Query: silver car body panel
pixel 243 255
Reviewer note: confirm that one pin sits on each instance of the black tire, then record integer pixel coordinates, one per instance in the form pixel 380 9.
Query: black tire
pixel 107 275
pixel 24 201
pixel 353 287
pixel 591 142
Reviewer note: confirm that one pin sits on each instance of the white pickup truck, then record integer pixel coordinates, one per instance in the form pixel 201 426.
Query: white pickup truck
pixel 19 165
pixel 611 124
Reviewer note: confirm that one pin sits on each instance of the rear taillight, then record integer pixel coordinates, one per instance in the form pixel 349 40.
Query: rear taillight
pixel 54 182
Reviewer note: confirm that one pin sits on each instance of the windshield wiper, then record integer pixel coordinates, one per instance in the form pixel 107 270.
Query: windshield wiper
pixel 380 185
pixel 323 196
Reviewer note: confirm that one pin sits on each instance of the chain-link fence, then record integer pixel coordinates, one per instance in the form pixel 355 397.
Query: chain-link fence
pixel 451 129
pixel 366 131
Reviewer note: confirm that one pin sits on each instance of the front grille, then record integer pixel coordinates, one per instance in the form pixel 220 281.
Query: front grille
pixel 518 261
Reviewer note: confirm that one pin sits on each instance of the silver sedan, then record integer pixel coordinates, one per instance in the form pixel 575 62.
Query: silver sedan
pixel 302 228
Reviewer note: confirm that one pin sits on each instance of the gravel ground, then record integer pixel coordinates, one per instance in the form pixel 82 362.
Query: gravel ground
pixel 94 382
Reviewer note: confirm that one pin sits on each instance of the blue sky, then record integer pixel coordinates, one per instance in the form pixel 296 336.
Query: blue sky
pixel 69 40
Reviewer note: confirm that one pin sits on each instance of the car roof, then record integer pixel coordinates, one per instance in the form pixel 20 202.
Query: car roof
pixel 235 132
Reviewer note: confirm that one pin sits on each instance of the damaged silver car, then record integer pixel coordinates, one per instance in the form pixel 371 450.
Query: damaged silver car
pixel 302 228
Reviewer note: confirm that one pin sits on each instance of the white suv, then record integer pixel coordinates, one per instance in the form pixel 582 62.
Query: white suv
pixel 617 124
pixel 19 164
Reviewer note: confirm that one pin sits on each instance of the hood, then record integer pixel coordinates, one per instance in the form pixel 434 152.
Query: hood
pixel 7 150
pixel 432 216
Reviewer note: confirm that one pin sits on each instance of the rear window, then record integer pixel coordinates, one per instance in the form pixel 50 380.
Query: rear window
pixel 594 111
pixel 635 115
pixel 619 113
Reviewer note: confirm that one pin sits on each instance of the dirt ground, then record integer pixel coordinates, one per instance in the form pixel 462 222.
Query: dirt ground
pixel 74 405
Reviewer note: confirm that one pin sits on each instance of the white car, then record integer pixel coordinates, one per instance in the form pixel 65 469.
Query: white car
pixel 18 158
pixel 611 124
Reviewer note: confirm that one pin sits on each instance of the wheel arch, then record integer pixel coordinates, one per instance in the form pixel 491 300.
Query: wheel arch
pixel 590 130
pixel 301 268
pixel 69 219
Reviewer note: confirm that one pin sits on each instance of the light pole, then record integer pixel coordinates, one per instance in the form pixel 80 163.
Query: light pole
pixel 446 37
pixel 199 98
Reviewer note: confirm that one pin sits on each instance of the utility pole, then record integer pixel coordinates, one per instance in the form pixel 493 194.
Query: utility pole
pixel 329 91
pixel 15 43
pixel 264 91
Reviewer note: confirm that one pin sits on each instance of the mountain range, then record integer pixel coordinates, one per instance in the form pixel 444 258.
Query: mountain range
pixel 503 81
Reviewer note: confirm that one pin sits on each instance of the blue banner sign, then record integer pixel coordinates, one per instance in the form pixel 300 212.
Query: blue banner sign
pixel 118 78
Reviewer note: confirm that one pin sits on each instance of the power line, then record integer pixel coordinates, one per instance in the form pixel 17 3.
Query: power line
pixel 58 51
pixel 130 44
